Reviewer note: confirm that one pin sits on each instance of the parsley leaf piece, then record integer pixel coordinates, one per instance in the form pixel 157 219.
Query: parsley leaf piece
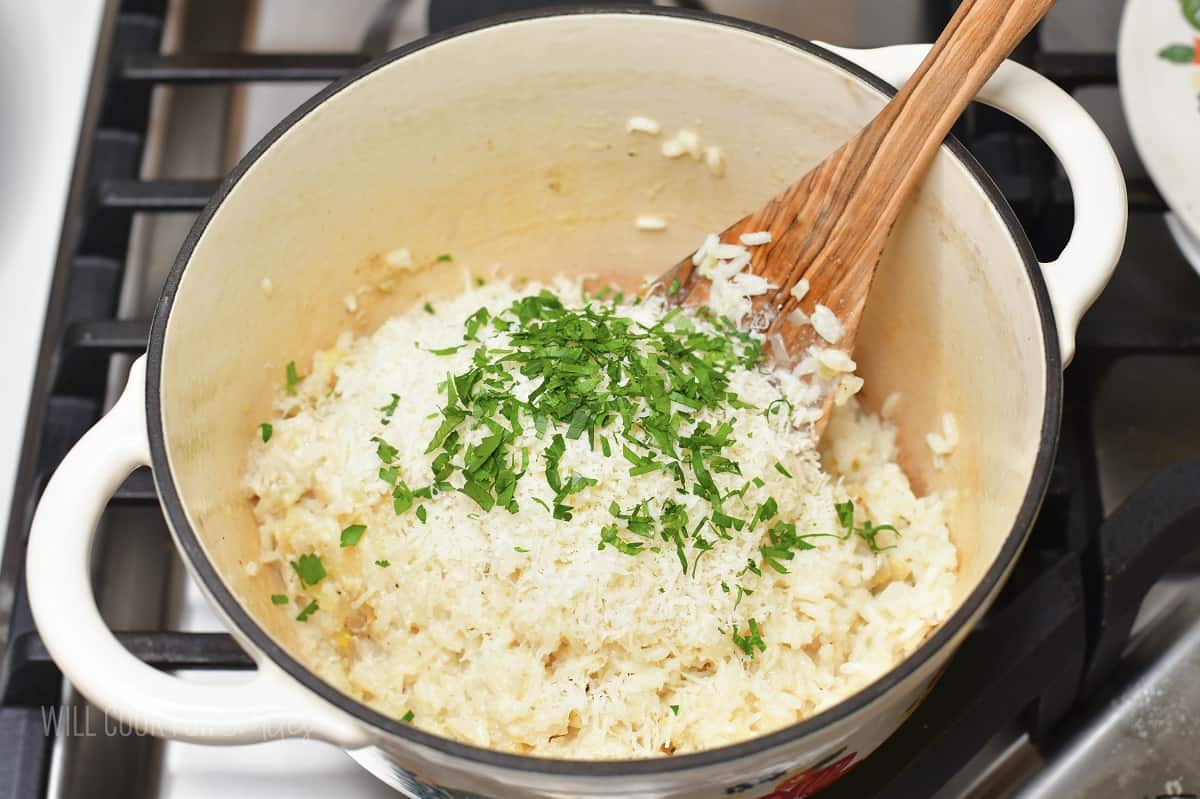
pixel 751 641
pixel 293 378
pixel 309 609
pixel 402 497
pixel 352 534
pixel 279 599
pixel 309 569
pixel 266 430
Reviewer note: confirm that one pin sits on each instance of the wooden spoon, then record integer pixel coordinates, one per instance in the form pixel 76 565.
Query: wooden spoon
pixel 830 227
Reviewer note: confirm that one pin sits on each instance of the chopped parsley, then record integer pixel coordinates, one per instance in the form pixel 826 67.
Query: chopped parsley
pixel 386 452
pixel 309 569
pixel 408 717
pixel 868 532
pixel 653 397
pixel 278 599
pixel 673 289
pixel 293 378
pixel 596 374
pixel 383 564
pixel 309 610
pixel 445 257
pixel 751 641
pixel 428 306
pixel 675 709
pixel 266 430
pixel 352 534
pixel 389 409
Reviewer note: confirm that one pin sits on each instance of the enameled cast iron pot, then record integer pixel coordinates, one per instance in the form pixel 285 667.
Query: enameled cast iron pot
pixel 505 144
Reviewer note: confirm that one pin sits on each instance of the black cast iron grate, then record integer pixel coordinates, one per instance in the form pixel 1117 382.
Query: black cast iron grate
pixel 1070 601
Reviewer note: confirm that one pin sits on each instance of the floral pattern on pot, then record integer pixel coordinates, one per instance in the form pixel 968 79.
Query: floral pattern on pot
pixel 1185 53
pixel 815 778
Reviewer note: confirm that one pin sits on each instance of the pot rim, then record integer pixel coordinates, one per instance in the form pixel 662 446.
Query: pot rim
pixel 248 626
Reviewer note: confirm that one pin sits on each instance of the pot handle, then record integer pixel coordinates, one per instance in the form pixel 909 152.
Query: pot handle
pixel 1077 277
pixel 58 579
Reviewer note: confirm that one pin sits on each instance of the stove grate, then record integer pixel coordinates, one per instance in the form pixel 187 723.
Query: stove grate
pixel 1070 601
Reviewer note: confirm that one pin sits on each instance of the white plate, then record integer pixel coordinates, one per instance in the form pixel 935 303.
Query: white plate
pixel 1158 60
pixel 1189 245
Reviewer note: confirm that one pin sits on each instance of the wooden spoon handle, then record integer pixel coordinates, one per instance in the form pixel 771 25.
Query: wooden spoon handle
pixel 831 226
pixel 902 140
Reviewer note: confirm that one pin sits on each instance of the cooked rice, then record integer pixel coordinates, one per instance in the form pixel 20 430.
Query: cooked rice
pixel 514 632
pixel 651 223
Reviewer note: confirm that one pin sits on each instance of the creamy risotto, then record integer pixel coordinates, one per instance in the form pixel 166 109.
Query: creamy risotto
pixel 585 527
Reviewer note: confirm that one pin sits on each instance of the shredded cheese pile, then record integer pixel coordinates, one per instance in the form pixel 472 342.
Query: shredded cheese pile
pixel 521 631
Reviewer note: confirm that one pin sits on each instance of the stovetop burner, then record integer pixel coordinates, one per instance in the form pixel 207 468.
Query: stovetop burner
pixel 1050 648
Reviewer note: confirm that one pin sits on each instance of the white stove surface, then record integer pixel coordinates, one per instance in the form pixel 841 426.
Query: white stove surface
pixel 46 54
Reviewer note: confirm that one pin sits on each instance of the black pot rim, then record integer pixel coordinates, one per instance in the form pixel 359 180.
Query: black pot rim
pixel 193 550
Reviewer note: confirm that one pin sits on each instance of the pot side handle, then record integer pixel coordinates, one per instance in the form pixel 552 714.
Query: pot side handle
pixel 1077 277
pixel 58 579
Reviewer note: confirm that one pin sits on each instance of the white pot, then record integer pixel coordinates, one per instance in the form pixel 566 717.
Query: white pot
pixel 506 143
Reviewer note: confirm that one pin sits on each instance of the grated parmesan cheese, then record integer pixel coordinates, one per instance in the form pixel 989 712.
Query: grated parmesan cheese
pixel 513 632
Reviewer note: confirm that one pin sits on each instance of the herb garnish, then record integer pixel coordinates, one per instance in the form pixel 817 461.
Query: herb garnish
pixel 751 641
pixel 310 569
pixel 352 534
pixel 868 531
pixel 389 409
pixel 597 373
pixel 383 564
pixel 445 257
pixel 408 717
pixel 428 306
pixel 675 709
pixel 309 610
pixel 293 378
pixel 278 599
pixel 266 430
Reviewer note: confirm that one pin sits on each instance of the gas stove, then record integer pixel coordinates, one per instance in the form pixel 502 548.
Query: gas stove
pixel 1083 680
